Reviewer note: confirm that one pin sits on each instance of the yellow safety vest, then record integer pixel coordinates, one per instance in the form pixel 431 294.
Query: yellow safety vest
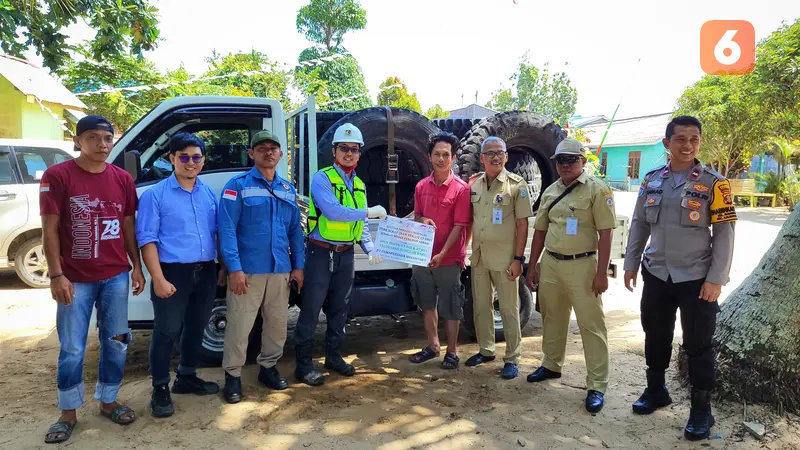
pixel 339 231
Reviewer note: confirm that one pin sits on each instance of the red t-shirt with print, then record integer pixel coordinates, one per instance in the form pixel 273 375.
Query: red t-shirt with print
pixel 91 209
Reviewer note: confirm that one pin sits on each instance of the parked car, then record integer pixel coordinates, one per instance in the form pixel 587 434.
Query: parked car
pixel 22 164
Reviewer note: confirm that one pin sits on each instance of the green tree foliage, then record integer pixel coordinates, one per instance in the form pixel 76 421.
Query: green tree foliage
pixel 733 129
pixel 775 79
pixel 122 26
pixel 271 81
pixel 437 112
pixel 325 22
pixel 537 90
pixel 397 95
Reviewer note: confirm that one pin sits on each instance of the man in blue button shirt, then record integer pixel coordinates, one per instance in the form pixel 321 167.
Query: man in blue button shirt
pixel 177 231
pixel 337 220
pixel 261 242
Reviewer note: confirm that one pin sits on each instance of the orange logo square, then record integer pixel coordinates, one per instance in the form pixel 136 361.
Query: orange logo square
pixel 727 47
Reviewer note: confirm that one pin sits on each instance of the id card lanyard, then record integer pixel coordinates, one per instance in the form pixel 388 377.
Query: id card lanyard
pixel 572 223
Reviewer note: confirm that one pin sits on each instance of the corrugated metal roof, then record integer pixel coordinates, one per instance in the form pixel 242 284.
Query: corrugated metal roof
pixel 472 111
pixel 33 80
pixel 586 121
pixel 631 131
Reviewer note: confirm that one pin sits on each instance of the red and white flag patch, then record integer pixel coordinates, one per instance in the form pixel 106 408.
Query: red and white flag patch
pixel 229 194
pixel 44 187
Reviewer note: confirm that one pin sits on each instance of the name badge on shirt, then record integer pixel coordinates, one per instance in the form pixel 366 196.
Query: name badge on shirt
pixel 497 216
pixel 572 226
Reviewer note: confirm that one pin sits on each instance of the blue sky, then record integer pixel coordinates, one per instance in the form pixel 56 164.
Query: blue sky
pixel 445 48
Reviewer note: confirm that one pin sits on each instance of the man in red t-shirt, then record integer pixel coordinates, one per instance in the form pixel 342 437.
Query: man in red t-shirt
pixel 442 200
pixel 87 209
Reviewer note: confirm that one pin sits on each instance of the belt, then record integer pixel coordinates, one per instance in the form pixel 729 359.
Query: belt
pixel 570 257
pixel 336 248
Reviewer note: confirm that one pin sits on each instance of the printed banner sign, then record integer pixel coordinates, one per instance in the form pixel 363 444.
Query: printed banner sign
pixel 405 241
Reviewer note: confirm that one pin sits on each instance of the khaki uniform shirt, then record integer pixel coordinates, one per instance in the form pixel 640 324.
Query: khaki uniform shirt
pixel 495 210
pixel 690 225
pixel 591 203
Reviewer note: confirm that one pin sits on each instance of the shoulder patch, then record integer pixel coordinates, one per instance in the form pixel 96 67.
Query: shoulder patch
pixel 517 178
pixel 722 208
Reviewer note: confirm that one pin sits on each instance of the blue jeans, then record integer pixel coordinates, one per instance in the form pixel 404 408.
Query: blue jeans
pixel 188 308
pixel 72 322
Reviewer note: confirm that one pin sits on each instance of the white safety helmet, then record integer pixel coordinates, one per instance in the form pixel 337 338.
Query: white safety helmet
pixel 348 133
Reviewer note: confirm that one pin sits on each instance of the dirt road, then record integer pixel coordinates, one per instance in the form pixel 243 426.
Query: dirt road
pixel 390 403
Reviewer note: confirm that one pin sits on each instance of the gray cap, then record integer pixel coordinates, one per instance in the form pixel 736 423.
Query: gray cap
pixel 569 147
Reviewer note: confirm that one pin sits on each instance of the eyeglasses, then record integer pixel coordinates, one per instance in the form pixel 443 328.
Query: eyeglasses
pixel 494 153
pixel 349 149
pixel 195 158
pixel 567 160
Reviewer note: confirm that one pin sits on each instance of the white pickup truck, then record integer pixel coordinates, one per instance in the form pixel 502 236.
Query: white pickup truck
pixel 226 124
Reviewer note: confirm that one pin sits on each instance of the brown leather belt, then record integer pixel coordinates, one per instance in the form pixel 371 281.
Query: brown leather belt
pixel 336 248
pixel 561 257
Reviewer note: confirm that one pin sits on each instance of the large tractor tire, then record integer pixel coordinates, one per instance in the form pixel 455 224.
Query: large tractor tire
pixel 527 135
pixel 412 132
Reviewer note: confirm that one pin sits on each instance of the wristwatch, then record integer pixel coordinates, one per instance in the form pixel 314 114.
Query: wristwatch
pixel 521 259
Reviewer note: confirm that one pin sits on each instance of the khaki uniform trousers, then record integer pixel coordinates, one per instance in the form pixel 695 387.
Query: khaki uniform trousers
pixel 484 283
pixel 268 292
pixel 564 285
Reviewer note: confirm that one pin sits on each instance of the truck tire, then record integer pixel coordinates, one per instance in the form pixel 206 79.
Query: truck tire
pixel 412 132
pixel 214 336
pixel 525 308
pixel 31 265
pixel 524 132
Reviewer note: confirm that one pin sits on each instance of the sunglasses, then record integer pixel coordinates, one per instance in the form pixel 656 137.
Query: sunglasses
pixel 567 160
pixel 197 159
pixel 494 154
pixel 348 149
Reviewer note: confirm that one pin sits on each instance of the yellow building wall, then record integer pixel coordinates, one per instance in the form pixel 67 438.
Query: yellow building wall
pixel 39 124
pixel 11 101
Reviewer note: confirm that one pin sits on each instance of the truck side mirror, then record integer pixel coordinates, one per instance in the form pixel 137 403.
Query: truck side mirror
pixel 133 164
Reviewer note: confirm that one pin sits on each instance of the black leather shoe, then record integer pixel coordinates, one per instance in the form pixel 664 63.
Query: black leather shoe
pixel 655 395
pixel 477 358
pixel 311 378
pixel 541 374
pixel 161 402
pixel 191 384
pixel 594 401
pixel 700 418
pixel 272 379
pixel 233 389
pixel 338 365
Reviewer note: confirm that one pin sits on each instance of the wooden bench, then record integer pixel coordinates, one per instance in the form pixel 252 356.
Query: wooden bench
pixel 746 187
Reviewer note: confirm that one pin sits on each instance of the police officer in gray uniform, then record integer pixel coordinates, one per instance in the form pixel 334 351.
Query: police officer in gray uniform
pixel 686 211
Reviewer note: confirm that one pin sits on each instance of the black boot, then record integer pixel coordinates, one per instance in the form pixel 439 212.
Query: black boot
pixel 335 362
pixel 161 402
pixel 191 384
pixel 272 379
pixel 655 395
pixel 304 368
pixel 233 388
pixel 700 418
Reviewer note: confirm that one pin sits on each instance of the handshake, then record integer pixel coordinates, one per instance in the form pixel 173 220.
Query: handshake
pixel 376 212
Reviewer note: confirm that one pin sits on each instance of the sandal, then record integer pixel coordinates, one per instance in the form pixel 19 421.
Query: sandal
pixel 450 361
pixel 425 355
pixel 116 415
pixel 63 428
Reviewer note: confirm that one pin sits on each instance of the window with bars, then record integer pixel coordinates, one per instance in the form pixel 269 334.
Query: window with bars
pixel 634 158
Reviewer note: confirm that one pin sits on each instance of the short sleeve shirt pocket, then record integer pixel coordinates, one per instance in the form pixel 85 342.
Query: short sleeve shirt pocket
pixel 652 205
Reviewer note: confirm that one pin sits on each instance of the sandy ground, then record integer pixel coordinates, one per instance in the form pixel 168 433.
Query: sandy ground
pixel 390 403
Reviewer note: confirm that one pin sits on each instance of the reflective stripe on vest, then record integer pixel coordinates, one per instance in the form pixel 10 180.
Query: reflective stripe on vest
pixel 339 231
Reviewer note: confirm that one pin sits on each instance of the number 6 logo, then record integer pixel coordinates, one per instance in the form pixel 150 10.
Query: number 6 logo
pixel 727 47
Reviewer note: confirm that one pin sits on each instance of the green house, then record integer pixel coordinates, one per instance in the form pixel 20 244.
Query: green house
pixel 34 104
pixel 632 148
